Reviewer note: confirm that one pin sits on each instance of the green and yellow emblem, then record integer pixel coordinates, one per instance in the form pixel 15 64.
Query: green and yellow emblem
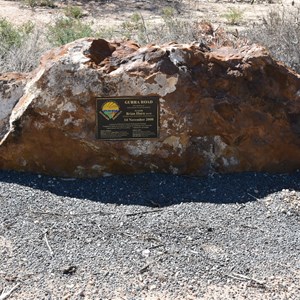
pixel 110 110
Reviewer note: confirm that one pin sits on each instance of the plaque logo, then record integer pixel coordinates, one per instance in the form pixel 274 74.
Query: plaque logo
pixel 110 110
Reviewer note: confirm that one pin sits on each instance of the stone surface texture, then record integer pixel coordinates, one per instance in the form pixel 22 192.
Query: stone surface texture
pixel 221 110
pixel 11 90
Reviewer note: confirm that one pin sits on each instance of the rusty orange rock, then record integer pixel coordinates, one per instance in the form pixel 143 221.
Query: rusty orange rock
pixel 221 110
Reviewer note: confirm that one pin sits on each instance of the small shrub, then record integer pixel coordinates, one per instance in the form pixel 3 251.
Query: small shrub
pixel 170 19
pixel 35 3
pixel 25 57
pixel 66 30
pixel 233 16
pixel 48 3
pixel 9 35
pixel 174 29
pixel 30 3
pixel 20 47
pixel 168 13
pixel 106 33
pixel 27 28
pixel 135 28
pixel 12 36
pixel 75 12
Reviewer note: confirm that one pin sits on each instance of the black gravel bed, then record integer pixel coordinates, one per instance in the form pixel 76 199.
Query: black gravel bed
pixel 150 236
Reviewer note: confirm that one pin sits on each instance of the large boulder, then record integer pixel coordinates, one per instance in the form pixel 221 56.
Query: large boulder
pixel 221 110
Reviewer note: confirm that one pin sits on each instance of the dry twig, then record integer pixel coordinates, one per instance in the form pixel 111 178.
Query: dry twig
pixel 240 207
pixel 144 269
pixel 70 214
pixel 47 243
pixel 99 212
pixel 244 277
pixel 253 197
pixel 5 295
pixel 143 212
pixel 46 213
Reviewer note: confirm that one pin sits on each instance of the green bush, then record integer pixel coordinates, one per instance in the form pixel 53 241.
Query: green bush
pixel 35 3
pixel 233 16
pixel 25 57
pixel 12 36
pixel 20 47
pixel 9 35
pixel 75 12
pixel 67 30
pixel 168 13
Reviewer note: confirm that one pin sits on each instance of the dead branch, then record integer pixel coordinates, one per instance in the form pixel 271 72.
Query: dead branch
pixel 46 213
pixel 144 269
pixel 100 212
pixel 47 243
pixel 244 277
pixel 143 212
pixel 253 197
pixel 70 214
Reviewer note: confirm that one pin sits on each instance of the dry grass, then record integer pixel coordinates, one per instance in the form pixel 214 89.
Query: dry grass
pixel 280 33
pixel 25 58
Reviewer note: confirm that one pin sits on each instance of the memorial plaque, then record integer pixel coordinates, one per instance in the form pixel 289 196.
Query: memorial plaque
pixel 125 118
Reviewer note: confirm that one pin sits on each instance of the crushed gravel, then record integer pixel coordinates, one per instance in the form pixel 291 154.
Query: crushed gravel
pixel 150 236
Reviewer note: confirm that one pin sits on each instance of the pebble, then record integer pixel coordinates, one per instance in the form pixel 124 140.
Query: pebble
pixel 146 253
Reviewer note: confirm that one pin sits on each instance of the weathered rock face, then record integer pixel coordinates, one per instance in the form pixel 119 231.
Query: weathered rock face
pixel 11 90
pixel 224 110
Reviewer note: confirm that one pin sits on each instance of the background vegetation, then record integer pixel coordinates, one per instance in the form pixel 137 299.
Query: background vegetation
pixel 280 33
pixel 22 46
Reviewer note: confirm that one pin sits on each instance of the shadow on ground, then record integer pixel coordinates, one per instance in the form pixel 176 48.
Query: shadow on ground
pixel 160 189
